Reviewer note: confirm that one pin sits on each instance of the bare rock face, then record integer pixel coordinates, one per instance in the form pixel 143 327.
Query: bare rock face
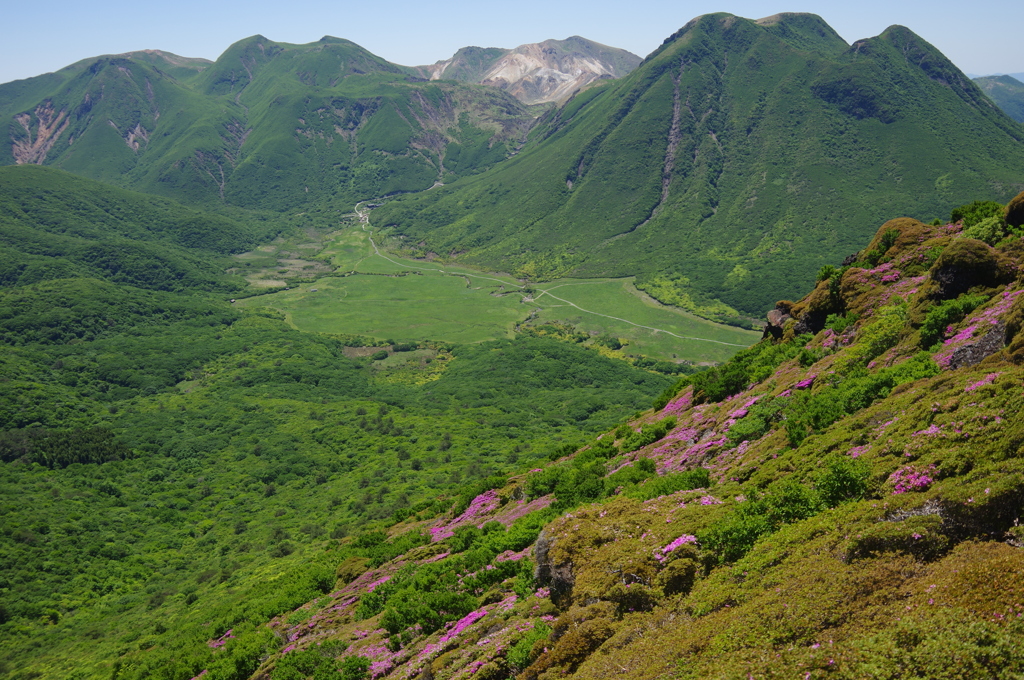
pixel 536 73
pixel 558 577
pixel 40 131
pixel 983 347
pixel 777 318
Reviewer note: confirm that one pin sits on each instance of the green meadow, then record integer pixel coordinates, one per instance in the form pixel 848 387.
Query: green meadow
pixel 648 327
pixel 385 296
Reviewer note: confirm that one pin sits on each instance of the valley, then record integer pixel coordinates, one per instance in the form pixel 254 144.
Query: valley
pixel 384 296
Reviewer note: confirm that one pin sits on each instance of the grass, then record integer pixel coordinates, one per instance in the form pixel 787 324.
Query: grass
pixel 704 341
pixel 401 308
pixel 386 296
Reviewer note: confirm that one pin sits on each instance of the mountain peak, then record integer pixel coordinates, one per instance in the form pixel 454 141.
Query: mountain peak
pixel 536 73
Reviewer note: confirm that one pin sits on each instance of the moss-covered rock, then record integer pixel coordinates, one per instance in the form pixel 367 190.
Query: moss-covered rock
pixel 350 569
pixel 966 264
pixel 909 233
pixel 1014 215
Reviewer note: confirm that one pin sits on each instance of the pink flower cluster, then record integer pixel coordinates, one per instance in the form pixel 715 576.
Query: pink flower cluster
pixel 373 586
pixel 983 320
pixel 680 403
pixel 480 506
pixel 509 556
pixel 912 478
pixel 680 434
pixel 462 624
pixel 222 640
pixel 883 270
pixel 904 289
pixel 805 383
pixel 681 541
pixel 857 450
pixel 510 512
pixel 679 460
pixel 987 380
pixel 743 410
pixel 382 660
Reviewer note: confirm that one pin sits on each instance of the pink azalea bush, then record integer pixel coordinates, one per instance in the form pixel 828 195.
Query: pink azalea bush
pixel 912 478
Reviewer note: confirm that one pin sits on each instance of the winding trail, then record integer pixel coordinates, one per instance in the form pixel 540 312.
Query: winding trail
pixel 364 220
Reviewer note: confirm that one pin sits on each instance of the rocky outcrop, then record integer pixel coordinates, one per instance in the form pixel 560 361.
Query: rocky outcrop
pixel 558 577
pixel 536 73
pixel 33 146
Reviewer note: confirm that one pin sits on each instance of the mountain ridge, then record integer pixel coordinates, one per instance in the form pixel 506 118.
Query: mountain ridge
pixel 1007 92
pixel 264 126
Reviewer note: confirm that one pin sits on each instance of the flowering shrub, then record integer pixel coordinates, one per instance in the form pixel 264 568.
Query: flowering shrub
pixel 912 478
pixel 222 640
pixel 680 403
pixel 479 507
pixel 677 543
pixel 987 380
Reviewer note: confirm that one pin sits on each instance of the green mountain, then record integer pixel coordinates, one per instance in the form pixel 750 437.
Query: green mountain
pixel 268 125
pixel 1007 92
pixel 739 158
pixel 536 73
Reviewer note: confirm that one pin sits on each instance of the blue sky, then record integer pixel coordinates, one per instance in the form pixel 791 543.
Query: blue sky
pixel 981 37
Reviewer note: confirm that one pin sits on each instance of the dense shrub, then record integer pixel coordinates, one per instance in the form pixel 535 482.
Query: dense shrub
pixel 945 314
pixel 976 212
pixel 990 230
pixel 648 434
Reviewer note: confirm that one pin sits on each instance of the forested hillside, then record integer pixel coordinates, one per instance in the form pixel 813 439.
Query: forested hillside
pixel 164 455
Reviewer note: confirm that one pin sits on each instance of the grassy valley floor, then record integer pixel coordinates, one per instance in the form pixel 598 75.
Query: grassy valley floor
pixel 382 295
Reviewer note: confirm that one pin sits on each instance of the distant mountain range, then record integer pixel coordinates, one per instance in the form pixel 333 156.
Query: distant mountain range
pixel 550 71
pixel 1007 92
pixel 268 125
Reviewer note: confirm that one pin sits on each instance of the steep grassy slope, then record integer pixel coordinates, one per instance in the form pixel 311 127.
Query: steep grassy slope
pixel 1007 92
pixel 268 125
pixel 842 500
pixel 735 161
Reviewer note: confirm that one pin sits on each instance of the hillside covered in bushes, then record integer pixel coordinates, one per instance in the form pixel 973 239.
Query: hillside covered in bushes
pixel 840 500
